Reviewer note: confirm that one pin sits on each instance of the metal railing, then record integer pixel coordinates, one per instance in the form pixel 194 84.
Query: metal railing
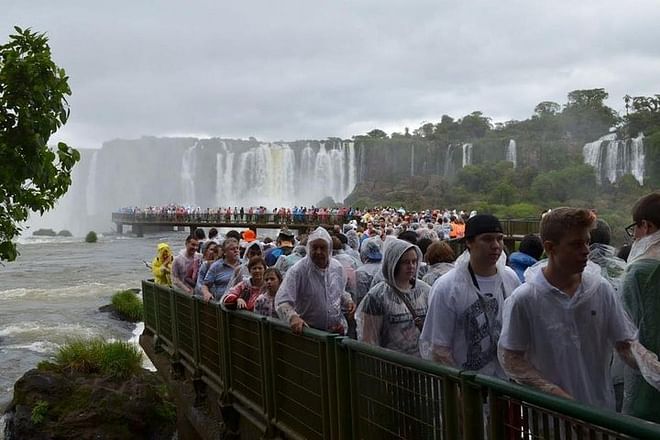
pixel 512 227
pixel 323 386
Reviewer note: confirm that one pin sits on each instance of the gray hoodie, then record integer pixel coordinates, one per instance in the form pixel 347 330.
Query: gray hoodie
pixel 383 318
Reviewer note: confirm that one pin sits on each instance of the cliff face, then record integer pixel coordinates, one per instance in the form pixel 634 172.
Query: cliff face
pixel 225 172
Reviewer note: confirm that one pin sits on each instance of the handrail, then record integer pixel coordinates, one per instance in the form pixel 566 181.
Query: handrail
pixel 327 377
pixel 611 420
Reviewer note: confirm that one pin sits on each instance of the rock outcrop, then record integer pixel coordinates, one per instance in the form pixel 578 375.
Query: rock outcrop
pixel 51 404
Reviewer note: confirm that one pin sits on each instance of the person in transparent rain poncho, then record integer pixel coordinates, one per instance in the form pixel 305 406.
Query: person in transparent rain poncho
pixel 604 255
pixel 440 258
pixel 313 292
pixel 371 256
pixel 612 269
pixel 285 262
pixel 465 305
pixel 641 297
pixel 392 313
pixel 559 328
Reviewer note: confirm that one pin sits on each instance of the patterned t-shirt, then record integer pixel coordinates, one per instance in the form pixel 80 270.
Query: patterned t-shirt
pixel 265 305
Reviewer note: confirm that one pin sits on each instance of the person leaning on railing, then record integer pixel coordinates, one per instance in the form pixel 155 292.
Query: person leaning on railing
pixel 313 292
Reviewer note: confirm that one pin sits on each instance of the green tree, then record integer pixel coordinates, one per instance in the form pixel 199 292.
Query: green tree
pixel 475 125
pixel 645 117
pixel 32 107
pixel 377 133
pixel 546 108
pixel 586 117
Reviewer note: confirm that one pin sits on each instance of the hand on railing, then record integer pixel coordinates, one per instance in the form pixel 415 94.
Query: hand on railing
pixel 297 325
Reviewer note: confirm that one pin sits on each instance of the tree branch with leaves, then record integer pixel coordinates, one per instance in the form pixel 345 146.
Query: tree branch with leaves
pixel 33 106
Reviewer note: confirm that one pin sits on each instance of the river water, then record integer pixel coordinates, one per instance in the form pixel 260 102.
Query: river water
pixel 53 290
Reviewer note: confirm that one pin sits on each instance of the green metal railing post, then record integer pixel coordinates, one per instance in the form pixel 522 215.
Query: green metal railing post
pixel 450 408
pixel 473 415
pixel 496 420
pixel 342 377
pixel 268 378
pixel 223 335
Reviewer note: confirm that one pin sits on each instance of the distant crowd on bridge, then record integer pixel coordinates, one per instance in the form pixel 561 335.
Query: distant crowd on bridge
pixel 566 312
pixel 385 216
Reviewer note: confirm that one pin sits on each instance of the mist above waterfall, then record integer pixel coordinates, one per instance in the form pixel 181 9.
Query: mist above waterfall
pixel 201 173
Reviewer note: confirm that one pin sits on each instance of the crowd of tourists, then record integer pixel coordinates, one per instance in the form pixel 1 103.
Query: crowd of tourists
pixel 443 221
pixel 566 312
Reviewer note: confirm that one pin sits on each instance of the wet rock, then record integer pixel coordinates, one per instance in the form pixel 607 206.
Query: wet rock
pixel 51 404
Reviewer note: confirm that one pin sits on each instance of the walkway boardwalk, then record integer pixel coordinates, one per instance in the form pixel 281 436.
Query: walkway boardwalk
pixel 513 228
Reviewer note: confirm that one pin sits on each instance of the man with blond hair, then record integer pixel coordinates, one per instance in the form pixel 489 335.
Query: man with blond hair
pixel 560 326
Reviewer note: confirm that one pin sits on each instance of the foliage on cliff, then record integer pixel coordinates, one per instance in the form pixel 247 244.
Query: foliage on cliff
pixel 33 107
pixel 424 168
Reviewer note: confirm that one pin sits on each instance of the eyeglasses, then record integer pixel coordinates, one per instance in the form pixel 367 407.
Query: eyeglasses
pixel 630 230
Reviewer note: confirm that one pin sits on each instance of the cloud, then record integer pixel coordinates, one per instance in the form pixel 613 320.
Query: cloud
pixel 300 69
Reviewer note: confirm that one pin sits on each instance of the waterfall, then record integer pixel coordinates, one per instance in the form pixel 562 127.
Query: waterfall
pixel 613 158
pixel 412 160
pixel 208 173
pixel 188 165
pixel 90 191
pixel 228 178
pixel 511 153
pixel 637 159
pixel 337 171
pixel 219 179
pixel 467 154
pixel 245 174
pixel 448 161
pixel 323 170
pixel 352 170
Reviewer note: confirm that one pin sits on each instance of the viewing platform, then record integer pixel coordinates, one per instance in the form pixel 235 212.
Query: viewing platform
pixel 514 229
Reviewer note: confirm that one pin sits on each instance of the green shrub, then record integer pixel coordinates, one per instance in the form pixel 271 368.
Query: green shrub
pixel 64 233
pixel 116 359
pixel 39 412
pixel 91 237
pixel 128 305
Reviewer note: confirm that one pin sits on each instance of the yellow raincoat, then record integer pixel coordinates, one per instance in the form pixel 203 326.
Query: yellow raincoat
pixel 161 265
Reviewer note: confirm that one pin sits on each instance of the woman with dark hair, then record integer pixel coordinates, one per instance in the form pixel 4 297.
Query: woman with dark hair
pixel 244 294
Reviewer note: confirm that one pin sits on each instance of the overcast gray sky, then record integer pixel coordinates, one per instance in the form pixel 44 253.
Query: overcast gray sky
pixel 286 70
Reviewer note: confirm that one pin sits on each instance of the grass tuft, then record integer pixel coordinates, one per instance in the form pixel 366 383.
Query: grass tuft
pixel 128 304
pixel 116 359
pixel 91 237
pixel 39 412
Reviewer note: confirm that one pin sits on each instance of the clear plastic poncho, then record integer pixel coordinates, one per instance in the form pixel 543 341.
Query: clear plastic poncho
pixel 382 317
pixel 640 292
pixel 285 262
pixel 611 266
pixel 316 295
pixel 462 328
pixel 567 341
